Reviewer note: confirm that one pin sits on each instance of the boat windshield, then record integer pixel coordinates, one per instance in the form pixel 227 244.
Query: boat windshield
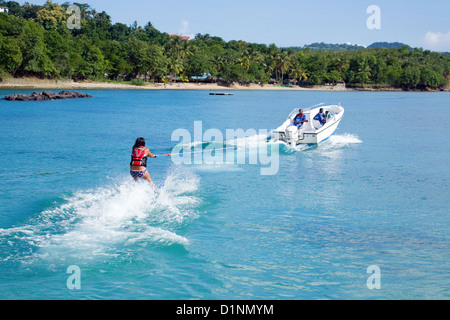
pixel 329 114
pixel 296 110
pixel 293 113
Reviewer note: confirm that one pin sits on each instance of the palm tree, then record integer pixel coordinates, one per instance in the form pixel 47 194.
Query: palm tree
pixel 299 72
pixel 179 47
pixel 186 50
pixel 341 64
pixel 284 62
pixel 363 74
pixel 174 46
pixel 272 59
pixel 245 62
pixel 219 62
pixel 175 67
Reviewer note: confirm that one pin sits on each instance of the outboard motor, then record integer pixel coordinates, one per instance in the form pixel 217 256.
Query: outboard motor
pixel 292 135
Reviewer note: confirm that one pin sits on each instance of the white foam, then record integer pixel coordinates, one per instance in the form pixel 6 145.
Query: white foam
pixel 297 148
pixel 332 143
pixel 344 139
pixel 95 222
pixel 250 141
pixel 334 147
pixel 191 144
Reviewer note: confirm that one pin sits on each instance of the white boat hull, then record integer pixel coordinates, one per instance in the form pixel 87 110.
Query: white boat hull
pixel 311 132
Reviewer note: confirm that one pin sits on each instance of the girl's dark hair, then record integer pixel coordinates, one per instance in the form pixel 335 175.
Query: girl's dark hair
pixel 140 142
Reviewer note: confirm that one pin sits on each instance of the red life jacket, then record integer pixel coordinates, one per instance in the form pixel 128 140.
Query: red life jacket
pixel 138 157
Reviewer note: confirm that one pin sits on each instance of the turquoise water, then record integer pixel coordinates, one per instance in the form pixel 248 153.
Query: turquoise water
pixel 375 193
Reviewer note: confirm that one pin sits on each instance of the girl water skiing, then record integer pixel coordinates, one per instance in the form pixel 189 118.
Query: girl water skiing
pixel 138 165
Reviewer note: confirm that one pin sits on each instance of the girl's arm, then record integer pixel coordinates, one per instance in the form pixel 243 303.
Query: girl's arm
pixel 148 153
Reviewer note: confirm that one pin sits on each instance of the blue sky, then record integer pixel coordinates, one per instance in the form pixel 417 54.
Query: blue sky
pixel 421 23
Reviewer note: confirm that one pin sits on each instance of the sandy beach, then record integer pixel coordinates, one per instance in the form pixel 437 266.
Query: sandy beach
pixel 33 83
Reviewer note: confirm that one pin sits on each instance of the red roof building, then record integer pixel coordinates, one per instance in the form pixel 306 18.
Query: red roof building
pixel 182 37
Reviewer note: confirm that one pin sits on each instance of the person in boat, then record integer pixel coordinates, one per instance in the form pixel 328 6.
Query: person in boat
pixel 138 164
pixel 321 117
pixel 299 119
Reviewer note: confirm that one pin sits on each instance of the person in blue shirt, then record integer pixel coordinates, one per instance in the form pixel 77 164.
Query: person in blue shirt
pixel 299 119
pixel 320 117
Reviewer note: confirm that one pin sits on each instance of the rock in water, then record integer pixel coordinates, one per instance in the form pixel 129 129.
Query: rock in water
pixel 46 95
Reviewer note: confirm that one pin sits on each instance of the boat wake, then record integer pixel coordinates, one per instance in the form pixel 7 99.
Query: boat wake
pixel 107 220
pixel 335 142
pixel 344 139
pixel 254 142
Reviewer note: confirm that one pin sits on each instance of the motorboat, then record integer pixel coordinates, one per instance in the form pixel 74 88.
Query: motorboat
pixel 313 131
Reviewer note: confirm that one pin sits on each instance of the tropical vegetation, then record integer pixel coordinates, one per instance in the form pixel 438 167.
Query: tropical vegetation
pixel 35 41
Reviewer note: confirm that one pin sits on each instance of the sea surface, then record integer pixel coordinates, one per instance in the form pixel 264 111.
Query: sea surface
pixel 364 215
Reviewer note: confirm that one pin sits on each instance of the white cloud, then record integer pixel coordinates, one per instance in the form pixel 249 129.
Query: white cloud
pixel 437 41
pixel 184 29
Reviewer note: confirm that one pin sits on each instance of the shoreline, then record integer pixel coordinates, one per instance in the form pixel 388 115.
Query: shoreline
pixel 32 83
